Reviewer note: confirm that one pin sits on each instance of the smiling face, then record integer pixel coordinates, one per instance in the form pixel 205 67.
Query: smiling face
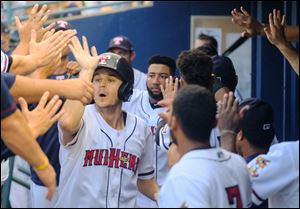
pixel 106 83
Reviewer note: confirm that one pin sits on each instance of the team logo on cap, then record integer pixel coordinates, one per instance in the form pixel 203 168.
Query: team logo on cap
pixel 62 23
pixel 103 59
pixel 118 40
pixel 266 126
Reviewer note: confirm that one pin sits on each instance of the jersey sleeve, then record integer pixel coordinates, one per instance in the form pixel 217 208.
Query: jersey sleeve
pixel 272 172
pixel 9 79
pixel 8 106
pixel 164 138
pixel 146 168
pixel 5 62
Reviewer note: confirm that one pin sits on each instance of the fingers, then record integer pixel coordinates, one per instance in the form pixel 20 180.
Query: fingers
pixel 57 104
pixel 49 27
pixel 51 190
pixel 229 102
pixel 23 105
pixel 39 15
pixel 45 18
pixel 275 18
pixel 85 44
pixel 244 11
pixel 94 51
pixel 51 104
pixel 271 23
pixel 18 22
pixel 224 103
pixel 283 21
pixel 243 111
pixel 33 12
pixel 57 116
pixel 43 100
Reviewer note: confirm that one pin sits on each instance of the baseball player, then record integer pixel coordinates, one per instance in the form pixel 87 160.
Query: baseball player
pixel 122 46
pixel 205 176
pixel 106 154
pixel 275 175
pixel 144 105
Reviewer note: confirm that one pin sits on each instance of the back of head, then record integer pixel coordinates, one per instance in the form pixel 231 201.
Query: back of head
pixel 119 65
pixel 195 68
pixel 257 124
pixel 164 60
pixel 224 71
pixel 195 110
pixel 120 42
pixel 208 50
pixel 209 41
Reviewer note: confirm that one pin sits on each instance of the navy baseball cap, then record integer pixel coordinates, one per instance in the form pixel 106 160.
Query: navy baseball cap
pixel 258 124
pixel 224 71
pixel 120 42
pixel 62 25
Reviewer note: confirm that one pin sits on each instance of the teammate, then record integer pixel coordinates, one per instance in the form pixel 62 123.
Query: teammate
pixel 110 152
pixel 122 46
pixel 144 105
pixel 204 176
pixel 274 175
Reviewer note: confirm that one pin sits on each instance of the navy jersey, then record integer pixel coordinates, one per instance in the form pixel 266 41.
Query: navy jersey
pixel 50 144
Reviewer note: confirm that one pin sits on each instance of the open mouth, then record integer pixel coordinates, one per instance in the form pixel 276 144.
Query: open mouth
pixel 102 95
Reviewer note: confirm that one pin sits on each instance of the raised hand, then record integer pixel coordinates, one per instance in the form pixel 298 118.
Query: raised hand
pixel 50 47
pixel 251 26
pixel 82 54
pixel 275 33
pixel 41 118
pixel 35 22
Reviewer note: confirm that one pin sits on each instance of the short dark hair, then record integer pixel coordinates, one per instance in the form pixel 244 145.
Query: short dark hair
pixel 195 110
pixel 208 50
pixel 195 68
pixel 258 123
pixel 164 60
pixel 212 41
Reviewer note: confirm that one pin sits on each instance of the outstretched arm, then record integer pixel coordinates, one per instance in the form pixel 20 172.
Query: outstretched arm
pixel 276 36
pixel 70 121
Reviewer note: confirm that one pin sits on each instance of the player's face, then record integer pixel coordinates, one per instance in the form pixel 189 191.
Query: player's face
pixel 156 76
pixel 106 83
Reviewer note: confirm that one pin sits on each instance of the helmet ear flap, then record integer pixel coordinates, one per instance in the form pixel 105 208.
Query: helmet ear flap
pixel 125 91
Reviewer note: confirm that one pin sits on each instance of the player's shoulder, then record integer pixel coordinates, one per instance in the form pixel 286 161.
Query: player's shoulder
pixel 139 122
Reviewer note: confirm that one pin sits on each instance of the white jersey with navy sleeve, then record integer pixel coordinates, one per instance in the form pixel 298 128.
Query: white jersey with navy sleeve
pixel 101 165
pixel 4 62
pixel 209 178
pixel 139 105
pixel 275 175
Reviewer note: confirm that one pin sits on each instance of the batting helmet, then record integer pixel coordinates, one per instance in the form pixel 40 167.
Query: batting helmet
pixel 122 67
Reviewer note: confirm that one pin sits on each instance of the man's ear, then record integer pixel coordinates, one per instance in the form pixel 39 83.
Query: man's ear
pixel 240 135
pixel 173 123
pixel 132 56
pixel 182 83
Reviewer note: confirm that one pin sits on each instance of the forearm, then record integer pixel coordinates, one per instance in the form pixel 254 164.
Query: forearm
pixel 23 65
pixel 291 55
pixel 148 188
pixel 19 138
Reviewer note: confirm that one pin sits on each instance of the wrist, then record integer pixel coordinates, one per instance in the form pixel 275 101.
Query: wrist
pixel 42 166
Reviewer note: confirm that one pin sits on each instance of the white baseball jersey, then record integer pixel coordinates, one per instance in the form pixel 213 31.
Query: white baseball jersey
pixel 210 178
pixel 101 165
pixel 4 62
pixel 139 105
pixel 140 80
pixel 276 176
